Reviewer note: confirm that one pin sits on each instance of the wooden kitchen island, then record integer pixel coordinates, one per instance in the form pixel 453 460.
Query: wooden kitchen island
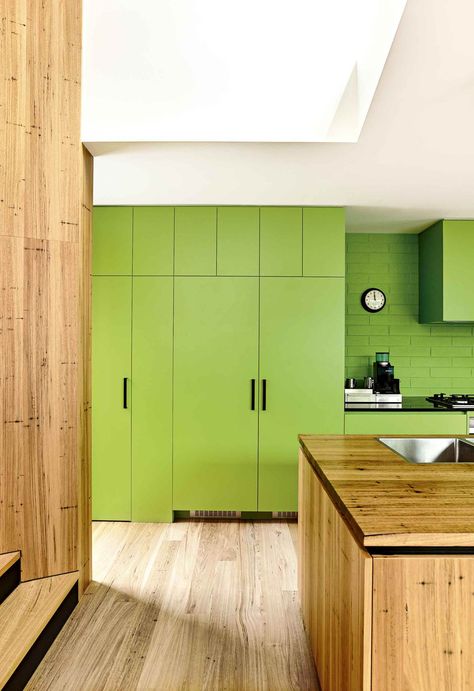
pixel 386 567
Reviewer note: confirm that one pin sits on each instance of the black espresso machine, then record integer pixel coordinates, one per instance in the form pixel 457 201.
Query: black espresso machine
pixel 384 375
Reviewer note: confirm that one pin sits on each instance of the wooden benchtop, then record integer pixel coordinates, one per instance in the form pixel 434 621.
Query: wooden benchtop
pixel 388 502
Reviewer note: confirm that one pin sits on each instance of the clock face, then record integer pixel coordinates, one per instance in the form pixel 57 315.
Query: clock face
pixel 373 300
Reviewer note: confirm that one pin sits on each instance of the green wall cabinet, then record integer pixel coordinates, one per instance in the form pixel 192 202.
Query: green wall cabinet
pixel 281 241
pixel 405 423
pixel 238 241
pixel 152 368
pixel 301 365
pixel 112 244
pixel 446 258
pixel 195 241
pixel 111 421
pixel 215 361
pixel 153 240
pixel 324 241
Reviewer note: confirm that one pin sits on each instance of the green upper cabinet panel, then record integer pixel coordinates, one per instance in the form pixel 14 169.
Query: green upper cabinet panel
pixel 446 260
pixel 302 362
pixel 324 248
pixel 153 237
pixel 215 360
pixel 281 241
pixel 458 266
pixel 238 241
pixel 111 420
pixel 195 240
pixel 152 358
pixel 112 240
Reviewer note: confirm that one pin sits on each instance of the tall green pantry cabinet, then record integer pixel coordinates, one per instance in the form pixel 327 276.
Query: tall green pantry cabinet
pixel 235 342
pixel 132 359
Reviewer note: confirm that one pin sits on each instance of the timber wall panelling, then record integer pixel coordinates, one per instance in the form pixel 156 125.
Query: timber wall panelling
pixel 45 216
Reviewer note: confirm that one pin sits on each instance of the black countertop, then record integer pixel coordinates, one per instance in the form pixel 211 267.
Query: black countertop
pixel 410 404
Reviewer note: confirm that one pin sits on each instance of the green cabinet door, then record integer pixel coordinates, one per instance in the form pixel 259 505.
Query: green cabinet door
pixel 281 241
pixel 152 363
pixel 215 428
pixel 405 423
pixel 153 239
pixel 195 240
pixel 302 363
pixel 446 255
pixel 238 241
pixel 324 241
pixel 458 255
pixel 111 427
pixel 112 240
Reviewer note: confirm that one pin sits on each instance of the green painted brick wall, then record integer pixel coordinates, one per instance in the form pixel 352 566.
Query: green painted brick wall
pixel 427 358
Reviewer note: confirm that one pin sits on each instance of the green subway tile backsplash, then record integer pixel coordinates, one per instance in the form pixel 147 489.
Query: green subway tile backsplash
pixel 426 358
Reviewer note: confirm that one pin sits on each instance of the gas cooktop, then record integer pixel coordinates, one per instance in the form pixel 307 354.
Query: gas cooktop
pixel 462 401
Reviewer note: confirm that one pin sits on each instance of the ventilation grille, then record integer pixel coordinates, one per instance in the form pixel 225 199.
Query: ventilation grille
pixel 285 514
pixel 214 514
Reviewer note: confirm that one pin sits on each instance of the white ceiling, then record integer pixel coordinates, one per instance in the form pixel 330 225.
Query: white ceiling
pixel 413 163
pixel 233 71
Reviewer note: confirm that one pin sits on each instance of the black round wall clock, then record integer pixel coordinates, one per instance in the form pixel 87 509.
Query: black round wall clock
pixel 373 300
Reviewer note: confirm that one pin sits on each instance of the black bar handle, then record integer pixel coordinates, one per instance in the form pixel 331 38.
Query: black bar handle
pixel 125 392
pixel 252 394
pixel 264 394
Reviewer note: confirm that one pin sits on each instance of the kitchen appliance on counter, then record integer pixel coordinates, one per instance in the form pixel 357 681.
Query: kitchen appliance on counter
pixel 381 388
pixel 384 375
pixel 454 401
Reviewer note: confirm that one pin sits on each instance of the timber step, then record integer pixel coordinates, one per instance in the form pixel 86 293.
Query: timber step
pixel 10 573
pixel 30 619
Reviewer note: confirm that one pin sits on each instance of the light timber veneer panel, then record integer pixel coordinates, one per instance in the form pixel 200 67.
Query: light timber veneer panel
pixel 335 582
pixel 45 216
pixel 12 436
pixel 84 438
pixel 423 636
pixel 7 560
pixel 25 614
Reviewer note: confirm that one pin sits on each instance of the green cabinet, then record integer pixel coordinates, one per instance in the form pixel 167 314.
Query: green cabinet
pixel 324 241
pixel 153 240
pixel 152 359
pixel 281 241
pixel 111 423
pixel 195 241
pixel 197 309
pixel 215 425
pixel 405 423
pixel 238 241
pixel 112 240
pixel 301 364
pixel 446 258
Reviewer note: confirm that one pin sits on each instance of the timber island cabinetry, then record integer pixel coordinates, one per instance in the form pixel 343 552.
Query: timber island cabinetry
pixel 386 567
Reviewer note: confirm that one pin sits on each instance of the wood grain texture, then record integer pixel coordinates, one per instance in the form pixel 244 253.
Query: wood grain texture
pixel 389 502
pixel 24 615
pixel 423 612
pixel 335 586
pixel 190 605
pixel 84 438
pixel 45 188
pixel 7 560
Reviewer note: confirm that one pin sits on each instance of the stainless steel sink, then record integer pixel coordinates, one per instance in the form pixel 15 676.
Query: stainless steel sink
pixel 431 450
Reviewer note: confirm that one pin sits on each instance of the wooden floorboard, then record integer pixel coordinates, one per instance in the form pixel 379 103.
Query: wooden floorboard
pixel 189 606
